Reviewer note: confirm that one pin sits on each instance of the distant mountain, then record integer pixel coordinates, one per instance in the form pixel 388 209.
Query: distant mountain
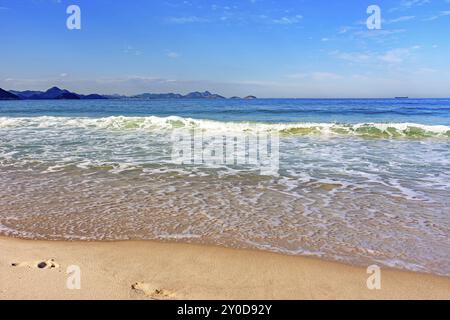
pixel 68 96
pixel 50 94
pixel 5 95
pixel 56 93
pixel 115 96
pixel 26 94
pixel 92 97
pixel 202 95
pixel 158 96
pixel 192 95
pixel 246 98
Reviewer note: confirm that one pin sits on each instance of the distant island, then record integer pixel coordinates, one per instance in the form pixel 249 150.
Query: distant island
pixel 56 93
pixel 5 95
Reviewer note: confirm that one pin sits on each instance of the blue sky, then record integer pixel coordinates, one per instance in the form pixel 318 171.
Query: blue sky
pixel 284 48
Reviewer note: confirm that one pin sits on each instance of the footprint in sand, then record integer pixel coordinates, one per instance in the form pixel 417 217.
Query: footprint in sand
pixel 152 291
pixel 42 264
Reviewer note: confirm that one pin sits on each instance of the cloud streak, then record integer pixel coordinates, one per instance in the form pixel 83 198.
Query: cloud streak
pixel 288 20
pixel 186 20
pixel 439 15
pixel 399 19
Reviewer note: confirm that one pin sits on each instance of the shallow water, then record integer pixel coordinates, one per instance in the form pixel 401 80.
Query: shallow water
pixel 360 181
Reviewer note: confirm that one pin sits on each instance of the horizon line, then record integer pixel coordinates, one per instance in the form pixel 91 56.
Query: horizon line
pixel 133 96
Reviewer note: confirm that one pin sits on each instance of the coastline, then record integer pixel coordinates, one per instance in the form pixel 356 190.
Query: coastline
pixel 160 270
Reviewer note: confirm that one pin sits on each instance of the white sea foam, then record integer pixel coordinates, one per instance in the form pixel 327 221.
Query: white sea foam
pixel 382 130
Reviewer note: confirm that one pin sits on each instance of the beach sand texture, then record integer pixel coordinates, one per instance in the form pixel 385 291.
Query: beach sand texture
pixel 152 270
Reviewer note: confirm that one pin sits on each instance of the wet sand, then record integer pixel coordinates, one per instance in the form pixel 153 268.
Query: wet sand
pixel 151 270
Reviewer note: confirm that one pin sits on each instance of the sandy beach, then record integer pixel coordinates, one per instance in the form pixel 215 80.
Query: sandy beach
pixel 153 270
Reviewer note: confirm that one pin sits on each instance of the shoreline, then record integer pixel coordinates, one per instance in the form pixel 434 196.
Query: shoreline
pixel 168 270
pixel 173 242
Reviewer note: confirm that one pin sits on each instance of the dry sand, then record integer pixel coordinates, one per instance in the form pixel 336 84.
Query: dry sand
pixel 145 270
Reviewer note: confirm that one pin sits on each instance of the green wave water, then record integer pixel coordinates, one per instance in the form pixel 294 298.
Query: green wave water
pixel 153 123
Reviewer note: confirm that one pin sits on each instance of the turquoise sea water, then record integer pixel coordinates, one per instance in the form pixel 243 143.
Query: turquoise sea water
pixel 359 181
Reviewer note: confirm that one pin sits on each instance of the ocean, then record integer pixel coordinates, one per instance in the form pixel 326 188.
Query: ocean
pixel 362 181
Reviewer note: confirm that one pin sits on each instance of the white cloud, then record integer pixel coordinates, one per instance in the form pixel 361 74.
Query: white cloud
pixel 408 4
pixel 321 76
pixel 399 19
pixel 352 56
pixel 173 55
pixel 395 55
pixel 425 71
pixel 185 20
pixel 288 20
pixel 377 33
pixel 346 29
pixel 131 50
pixel 439 15
pixel 413 3
pixel 317 76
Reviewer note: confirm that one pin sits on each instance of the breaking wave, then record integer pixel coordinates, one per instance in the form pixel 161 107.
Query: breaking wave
pixel 153 123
